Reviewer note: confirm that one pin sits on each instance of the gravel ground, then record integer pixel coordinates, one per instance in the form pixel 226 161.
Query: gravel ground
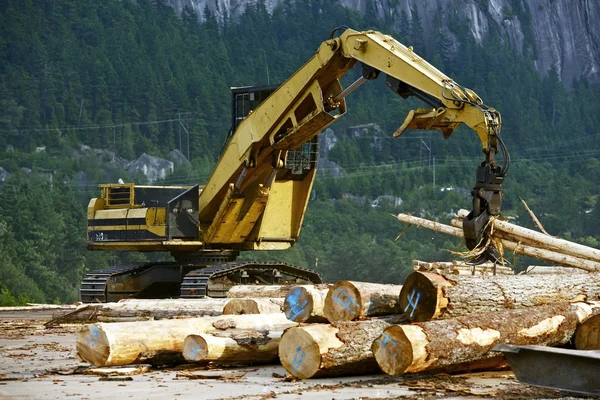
pixel 41 363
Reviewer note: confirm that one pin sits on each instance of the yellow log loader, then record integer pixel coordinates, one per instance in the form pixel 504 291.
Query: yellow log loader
pixel 256 196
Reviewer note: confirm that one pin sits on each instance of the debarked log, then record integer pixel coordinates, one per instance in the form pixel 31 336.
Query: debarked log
pixel 563 246
pixel 339 349
pixel 305 303
pixel 426 296
pixel 348 300
pixel 253 306
pixel 239 346
pixel 437 344
pixel 142 309
pixel 124 343
pixel 258 291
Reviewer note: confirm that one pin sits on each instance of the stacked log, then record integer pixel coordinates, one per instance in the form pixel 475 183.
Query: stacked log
pixel 124 343
pixel 239 346
pixel 436 344
pixel 253 306
pixel 426 296
pixel 142 309
pixel 306 303
pixel 342 348
pixel 461 268
pixel 258 291
pixel 348 300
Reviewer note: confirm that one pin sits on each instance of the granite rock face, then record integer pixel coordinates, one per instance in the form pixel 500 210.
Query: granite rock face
pixel 559 34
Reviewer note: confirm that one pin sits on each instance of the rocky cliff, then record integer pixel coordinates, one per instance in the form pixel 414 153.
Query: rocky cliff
pixel 556 34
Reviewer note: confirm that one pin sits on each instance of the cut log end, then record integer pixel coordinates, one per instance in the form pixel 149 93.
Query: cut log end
pixel 343 302
pixel 194 348
pixel 419 296
pixel 253 306
pixel 298 305
pixel 92 345
pixel 393 351
pixel 587 336
pixel 299 353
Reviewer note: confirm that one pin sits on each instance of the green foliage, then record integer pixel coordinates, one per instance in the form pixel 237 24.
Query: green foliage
pixel 127 76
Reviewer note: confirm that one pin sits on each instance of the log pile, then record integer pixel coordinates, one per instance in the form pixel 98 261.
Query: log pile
pixel 446 316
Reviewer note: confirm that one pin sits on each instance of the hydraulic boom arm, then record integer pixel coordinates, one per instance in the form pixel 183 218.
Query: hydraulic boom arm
pixel 243 199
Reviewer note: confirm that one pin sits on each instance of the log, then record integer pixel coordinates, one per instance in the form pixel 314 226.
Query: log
pixel 427 296
pixel 258 291
pixel 253 306
pixel 549 242
pixel 342 348
pixel 425 223
pixel 543 269
pixel 126 343
pixel 348 300
pixel 528 248
pixel 305 303
pixel 461 268
pixel 437 344
pixel 587 336
pixel 239 346
pixel 141 309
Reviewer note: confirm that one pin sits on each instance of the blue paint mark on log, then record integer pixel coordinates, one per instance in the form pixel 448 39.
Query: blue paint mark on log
pixel 195 351
pixel 94 337
pixel 413 302
pixel 349 301
pixel 296 308
pixel 298 358
pixel 384 340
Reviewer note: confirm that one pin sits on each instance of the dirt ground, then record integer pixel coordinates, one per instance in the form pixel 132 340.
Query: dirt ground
pixel 41 363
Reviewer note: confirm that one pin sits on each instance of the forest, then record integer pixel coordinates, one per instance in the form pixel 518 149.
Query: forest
pixel 122 76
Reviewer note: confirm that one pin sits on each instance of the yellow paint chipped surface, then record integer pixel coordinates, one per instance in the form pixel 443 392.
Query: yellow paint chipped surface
pixel 549 325
pixel 478 336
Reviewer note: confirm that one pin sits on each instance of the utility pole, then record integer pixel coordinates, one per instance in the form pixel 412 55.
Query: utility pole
pixel 267 66
pixel 434 172
pixel 428 148
pixel 181 125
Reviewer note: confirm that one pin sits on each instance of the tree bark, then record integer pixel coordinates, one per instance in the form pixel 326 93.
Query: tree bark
pixel 305 303
pixel 258 291
pixel 239 346
pixel 547 241
pixel 142 310
pixel 427 296
pixel 342 348
pixel 587 336
pixel 437 344
pixel 253 306
pixel 348 301
pixel 544 269
pixel 130 342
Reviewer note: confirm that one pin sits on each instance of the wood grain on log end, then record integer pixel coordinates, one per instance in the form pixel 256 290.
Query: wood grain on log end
pixel 422 297
pixel 587 335
pixel 92 345
pixel 400 348
pixel 298 305
pixel 253 306
pixel 194 348
pixel 300 348
pixel 343 302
